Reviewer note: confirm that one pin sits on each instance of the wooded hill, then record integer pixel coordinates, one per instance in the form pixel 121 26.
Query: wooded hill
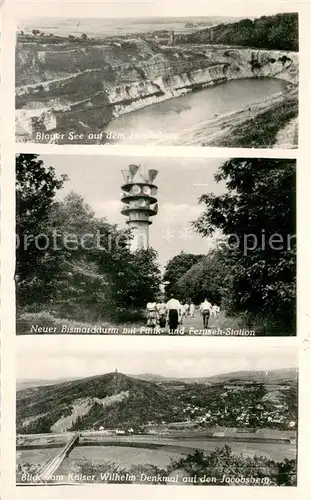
pixel 138 402
pixel 279 32
pixel 114 399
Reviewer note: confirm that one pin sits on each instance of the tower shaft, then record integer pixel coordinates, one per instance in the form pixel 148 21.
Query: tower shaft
pixel 140 203
pixel 140 232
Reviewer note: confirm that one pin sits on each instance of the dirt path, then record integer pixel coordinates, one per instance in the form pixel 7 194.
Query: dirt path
pixel 222 326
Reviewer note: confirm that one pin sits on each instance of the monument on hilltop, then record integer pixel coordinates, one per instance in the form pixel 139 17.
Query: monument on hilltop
pixel 172 37
pixel 140 202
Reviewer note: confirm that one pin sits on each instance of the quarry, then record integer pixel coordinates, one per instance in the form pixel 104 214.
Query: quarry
pixel 73 91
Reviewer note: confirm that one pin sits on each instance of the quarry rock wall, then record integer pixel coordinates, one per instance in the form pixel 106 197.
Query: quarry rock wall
pixel 91 92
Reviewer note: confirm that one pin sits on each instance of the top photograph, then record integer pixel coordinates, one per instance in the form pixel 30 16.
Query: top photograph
pixel 210 81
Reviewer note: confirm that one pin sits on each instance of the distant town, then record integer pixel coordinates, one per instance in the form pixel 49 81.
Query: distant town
pixel 179 406
pixel 173 431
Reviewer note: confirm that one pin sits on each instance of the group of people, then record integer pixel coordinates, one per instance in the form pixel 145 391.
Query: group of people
pixel 173 312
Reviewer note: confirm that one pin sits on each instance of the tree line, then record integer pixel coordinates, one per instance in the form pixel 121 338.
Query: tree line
pixel 279 32
pixel 96 279
pixel 250 271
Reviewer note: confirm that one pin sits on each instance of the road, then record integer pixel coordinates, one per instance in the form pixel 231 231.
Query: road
pixel 197 321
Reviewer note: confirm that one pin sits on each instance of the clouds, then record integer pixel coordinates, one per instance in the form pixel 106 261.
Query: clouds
pixel 134 9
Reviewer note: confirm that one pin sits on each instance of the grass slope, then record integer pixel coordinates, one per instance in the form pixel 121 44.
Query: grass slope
pixel 264 128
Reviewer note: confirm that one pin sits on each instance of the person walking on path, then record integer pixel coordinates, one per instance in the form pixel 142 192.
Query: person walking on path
pixel 186 307
pixel 215 310
pixel 161 308
pixel 152 314
pixel 173 313
pixel 182 313
pixel 191 310
pixel 205 309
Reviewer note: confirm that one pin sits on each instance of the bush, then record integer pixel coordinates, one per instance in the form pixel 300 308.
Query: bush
pixel 26 320
pixel 222 462
pixel 128 315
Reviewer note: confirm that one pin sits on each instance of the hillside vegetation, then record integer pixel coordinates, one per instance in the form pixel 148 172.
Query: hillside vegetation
pixel 144 401
pixel 265 127
pixel 250 376
pixel 94 279
pixel 267 32
pixel 258 284
pixel 116 400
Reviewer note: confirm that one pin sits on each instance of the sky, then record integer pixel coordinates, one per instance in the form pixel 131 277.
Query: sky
pixel 144 8
pixel 51 357
pixel 181 181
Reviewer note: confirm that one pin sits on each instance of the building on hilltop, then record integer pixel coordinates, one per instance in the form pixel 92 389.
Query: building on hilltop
pixel 172 38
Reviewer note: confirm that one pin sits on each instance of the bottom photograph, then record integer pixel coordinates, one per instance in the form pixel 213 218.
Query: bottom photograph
pixel 89 410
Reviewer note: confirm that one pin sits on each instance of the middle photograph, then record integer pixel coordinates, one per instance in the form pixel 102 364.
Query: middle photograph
pixel 122 245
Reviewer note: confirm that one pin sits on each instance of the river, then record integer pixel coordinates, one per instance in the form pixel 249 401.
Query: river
pixel 128 457
pixel 165 120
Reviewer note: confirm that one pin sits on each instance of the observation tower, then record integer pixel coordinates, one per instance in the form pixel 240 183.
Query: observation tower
pixel 140 202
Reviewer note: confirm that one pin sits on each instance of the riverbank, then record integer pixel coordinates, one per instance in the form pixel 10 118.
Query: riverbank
pixel 272 126
pixel 249 126
pixel 155 441
pixel 126 453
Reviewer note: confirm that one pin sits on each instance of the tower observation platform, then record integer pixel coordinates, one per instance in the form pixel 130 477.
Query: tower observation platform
pixel 139 198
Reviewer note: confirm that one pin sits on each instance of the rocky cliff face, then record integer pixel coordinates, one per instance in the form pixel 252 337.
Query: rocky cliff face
pixel 264 63
pixel 241 64
pixel 101 83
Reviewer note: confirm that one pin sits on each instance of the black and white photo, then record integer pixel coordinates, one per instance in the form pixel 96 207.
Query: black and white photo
pixel 180 415
pixel 179 80
pixel 152 245
pixel 154 249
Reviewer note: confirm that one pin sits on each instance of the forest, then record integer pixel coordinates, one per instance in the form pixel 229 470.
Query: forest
pixel 75 266
pixel 279 32
pixel 241 403
pixel 258 284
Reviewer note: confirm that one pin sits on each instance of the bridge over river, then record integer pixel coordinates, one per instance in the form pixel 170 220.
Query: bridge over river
pixel 52 465
pixel 61 452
